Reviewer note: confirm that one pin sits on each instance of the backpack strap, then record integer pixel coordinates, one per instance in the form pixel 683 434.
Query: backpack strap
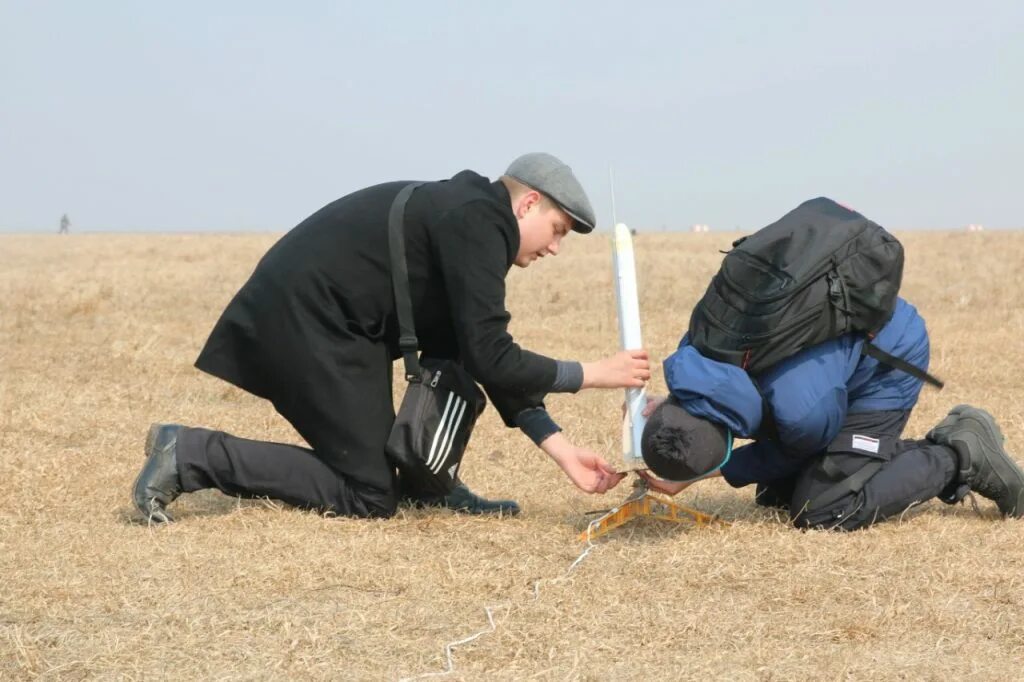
pixel 407 341
pixel 877 353
pixel 769 427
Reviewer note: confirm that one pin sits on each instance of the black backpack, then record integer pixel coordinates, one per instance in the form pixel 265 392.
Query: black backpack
pixel 820 271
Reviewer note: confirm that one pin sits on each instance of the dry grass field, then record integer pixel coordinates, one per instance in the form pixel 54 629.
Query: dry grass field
pixel 97 338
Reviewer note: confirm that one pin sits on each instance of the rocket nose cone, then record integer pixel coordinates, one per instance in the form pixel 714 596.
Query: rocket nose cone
pixel 623 237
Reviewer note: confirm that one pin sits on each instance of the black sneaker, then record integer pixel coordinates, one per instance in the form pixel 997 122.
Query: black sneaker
pixel 158 484
pixel 462 499
pixel 984 466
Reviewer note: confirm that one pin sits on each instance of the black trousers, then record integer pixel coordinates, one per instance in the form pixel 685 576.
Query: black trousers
pixel 867 474
pixel 338 397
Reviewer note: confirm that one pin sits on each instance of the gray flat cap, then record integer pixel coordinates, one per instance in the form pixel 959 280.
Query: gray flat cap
pixel 548 175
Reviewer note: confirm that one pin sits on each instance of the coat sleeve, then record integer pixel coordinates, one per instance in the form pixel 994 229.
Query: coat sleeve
pixel 713 390
pixel 474 257
pixel 510 405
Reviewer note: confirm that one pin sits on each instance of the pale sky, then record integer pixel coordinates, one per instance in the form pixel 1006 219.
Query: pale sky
pixel 195 116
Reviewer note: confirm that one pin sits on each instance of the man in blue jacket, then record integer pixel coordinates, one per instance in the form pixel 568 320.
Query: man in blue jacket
pixel 832 451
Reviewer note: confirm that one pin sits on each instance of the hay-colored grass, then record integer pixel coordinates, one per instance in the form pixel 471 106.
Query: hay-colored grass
pixel 97 338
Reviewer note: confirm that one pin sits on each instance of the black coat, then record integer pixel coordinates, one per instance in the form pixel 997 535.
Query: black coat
pixel 329 279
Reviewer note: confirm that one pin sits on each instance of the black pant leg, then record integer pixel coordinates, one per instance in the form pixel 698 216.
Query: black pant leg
pixel 338 397
pixel 289 473
pixel 777 494
pixel 334 387
pixel 869 474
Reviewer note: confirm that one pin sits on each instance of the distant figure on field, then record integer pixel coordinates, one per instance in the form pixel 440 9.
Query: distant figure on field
pixel 65 224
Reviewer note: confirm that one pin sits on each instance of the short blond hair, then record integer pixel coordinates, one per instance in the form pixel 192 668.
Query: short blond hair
pixel 517 189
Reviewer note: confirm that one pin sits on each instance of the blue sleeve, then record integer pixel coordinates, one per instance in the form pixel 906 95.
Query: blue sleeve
pixel 713 390
pixel 760 462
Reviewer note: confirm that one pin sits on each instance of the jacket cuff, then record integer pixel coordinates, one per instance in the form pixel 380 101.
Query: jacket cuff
pixel 537 424
pixel 568 377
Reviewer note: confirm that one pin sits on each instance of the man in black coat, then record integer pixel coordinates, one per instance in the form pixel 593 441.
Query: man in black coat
pixel 315 331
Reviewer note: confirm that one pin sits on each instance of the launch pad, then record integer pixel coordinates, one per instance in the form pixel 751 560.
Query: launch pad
pixel 644 503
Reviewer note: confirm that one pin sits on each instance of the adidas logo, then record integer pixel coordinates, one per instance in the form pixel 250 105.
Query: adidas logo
pixel 452 469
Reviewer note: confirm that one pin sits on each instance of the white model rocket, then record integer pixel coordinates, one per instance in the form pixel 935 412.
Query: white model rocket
pixel 629 335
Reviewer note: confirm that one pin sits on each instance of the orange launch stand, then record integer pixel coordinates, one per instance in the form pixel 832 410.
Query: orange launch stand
pixel 642 502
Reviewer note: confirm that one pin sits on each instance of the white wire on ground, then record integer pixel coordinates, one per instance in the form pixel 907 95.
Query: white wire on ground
pixel 449 667
pixel 450 663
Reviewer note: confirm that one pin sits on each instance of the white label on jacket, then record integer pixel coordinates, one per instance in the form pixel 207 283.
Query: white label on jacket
pixel 865 443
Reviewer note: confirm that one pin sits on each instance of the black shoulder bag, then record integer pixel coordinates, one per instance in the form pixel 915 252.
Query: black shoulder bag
pixel 442 401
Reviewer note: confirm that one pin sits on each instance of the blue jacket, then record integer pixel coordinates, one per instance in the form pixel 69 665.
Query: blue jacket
pixel 810 394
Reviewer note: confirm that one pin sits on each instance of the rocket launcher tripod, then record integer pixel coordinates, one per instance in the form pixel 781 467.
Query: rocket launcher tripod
pixel 644 503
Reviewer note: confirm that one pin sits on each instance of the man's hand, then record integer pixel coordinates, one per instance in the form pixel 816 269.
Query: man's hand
pixel 650 407
pixel 586 469
pixel 660 485
pixel 625 369
pixel 589 471
pixel 652 404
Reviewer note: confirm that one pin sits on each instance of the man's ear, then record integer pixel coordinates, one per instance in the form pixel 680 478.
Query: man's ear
pixel 527 201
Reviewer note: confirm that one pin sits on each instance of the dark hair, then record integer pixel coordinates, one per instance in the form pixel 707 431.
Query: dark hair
pixel 680 447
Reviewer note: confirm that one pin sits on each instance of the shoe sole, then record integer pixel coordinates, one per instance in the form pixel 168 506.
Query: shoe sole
pixel 503 511
pixel 992 430
pixel 151 515
pixel 469 511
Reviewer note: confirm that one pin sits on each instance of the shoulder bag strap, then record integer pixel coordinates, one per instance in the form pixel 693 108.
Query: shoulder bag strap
pixel 407 341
